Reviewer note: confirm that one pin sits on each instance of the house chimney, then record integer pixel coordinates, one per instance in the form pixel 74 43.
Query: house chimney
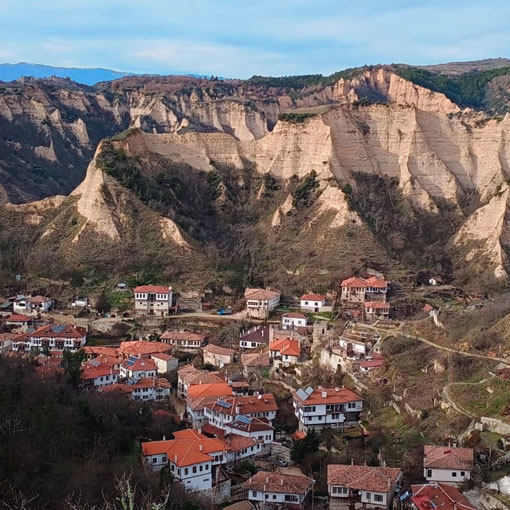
pixel 324 394
pixel 320 387
pixel 267 479
pixel 164 437
pixel 260 397
pixel 337 389
pixel 352 461
pixel 238 409
pixel 199 430
pixel 175 459
pixel 281 482
pixel 201 447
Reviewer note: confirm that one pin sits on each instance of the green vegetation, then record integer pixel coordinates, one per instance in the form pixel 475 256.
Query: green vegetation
pixel 295 118
pixel 465 90
pixel 304 193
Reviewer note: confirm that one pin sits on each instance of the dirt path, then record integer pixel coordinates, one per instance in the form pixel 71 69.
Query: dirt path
pixel 447 396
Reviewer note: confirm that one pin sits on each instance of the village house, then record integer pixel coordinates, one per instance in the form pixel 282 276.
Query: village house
pixel 293 320
pixel 19 322
pixel 333 358
pixel 141 348
pixel 370 365
pixel 270 488
pixel 447 464
pixel 376 310
pixel 21 304
pixel 188 376
pixel 199 395
pixel 6 340
pixel 362 485
pixel 40 304
pixel 285 352
pixel 183 340
pixel 153 300
pixel 226 410
pixel 217 356
pixel 312 302
pixel 165 363
pixel 254 362
pixel 255 337
pixel 357 290
pixel 438 496
pixel 326 407
pixel 152 389
pixel 96 374
pixel 261 302
pixel 257 429
pixel 138 368
pixel 193 458
pixel 52 337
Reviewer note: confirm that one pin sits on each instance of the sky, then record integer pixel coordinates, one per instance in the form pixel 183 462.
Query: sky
pixel 240 38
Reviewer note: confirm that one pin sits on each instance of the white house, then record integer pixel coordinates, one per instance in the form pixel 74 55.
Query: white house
pixel 21 305
pixel 293 320
pixel 18 321
pixel 312 302
pixel 354 349
pixel 368 485
pixel 41 304
pixel 326 407
pixel 144 390
pixel 278 489
pixel 153 300
pixel 95 374
pixel 261 302
pixel 226 410
pixel 438 496
pixel 285 351
pixel 357 290
pixel 447 464
pixel 138 368
pixel 193 458
pixel 257 429
pixel 376 310
pixel 183 340
pixel 52 337
pixel 164 362
pixel 255 337
pixel 80 303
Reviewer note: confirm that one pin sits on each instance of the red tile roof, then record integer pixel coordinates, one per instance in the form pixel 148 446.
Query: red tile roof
pixel 259 335
pixel 446 457
pixel 142 347
pixel 312 297
pixel 39 299
pixel 141 364
pixel 255 359
pixel 100 350
pixel 279 483
pixel 156 289
pixel 191 375
pixel 333 396
pixel 162 356
pixel 354 282
pixel 245 405
pixel 254 425
pixel 221 389
pixel 260 294
pixel 298 435
pixel 372 363
pixel 93 372
pixel 181 336
pixel 377 283
pixel 216 349
pixel 58 331
pixel 286 346
pixel 294 315
pixel 377 305
pixel 235 443
pixel 439 496
pixel 18 318
pixel 366 478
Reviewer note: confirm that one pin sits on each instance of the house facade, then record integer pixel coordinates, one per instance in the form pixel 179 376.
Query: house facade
pixel 357 290
pixel 164 362
pixel 188 376
pixel 183 340
pixel 261 302
pixel 438 496
pixel 326 407
pixel 41 304
pixel 217 356
pixel 362 485
pixel 95 375
pixel 376 310
pixel 52 337
pixel 285 351
pixel 138 368
pixel 447 464
pixel 293 320
pixel 269 488
pixel 153 300
pixel 255 337
pixel 312 302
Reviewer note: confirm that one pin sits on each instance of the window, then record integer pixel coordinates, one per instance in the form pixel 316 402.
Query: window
pixel 194 469
pixel 154 460
pixel 201 467
pixel 369 495
pixel 186 471
pixel 253 494
pixel 378 498
pixel 429 473
pixel 462 473
pixel 274 496
pixel 454 474
pixel 351 405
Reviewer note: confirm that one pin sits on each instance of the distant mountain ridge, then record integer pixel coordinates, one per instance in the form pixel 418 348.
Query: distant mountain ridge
pixel 86 76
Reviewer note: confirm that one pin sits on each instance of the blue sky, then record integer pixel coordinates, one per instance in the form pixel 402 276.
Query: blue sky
pixel 238 38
